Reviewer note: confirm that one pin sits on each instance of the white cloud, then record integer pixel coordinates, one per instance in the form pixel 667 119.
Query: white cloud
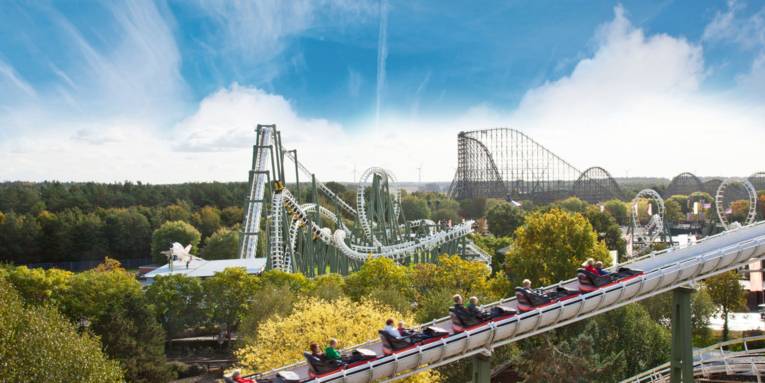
pixel 637 103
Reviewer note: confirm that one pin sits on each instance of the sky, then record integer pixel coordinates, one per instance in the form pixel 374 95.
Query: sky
pixel 171 91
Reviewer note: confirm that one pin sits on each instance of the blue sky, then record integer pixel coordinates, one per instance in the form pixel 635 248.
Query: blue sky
pixel 146 90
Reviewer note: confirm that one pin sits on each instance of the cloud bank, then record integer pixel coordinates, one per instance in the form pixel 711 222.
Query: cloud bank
pixel 636 105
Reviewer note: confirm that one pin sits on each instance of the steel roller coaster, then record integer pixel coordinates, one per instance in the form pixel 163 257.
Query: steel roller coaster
pixel 325 233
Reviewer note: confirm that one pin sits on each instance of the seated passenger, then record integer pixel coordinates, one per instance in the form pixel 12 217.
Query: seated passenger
pixel 526 284
pixel 237 377
pixel 331 353
pixel 599 268
pixel 390 330
pixel 589 265
pixel 315 355
pixel 403 330
pixel 457 301
pixel 473 308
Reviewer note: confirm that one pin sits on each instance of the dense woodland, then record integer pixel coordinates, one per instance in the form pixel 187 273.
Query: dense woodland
pixel 120 328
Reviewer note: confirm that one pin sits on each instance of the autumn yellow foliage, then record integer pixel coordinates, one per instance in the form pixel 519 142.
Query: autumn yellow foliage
pixel 282 340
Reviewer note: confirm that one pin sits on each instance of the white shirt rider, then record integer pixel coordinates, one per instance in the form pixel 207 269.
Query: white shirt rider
pixel 392 331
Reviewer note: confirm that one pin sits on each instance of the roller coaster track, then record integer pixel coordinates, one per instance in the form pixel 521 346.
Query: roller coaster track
pixel 663 271
pixel 718 361
pixel 322 187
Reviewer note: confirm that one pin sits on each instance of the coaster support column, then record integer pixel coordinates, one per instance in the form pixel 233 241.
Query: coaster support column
pixel 682 339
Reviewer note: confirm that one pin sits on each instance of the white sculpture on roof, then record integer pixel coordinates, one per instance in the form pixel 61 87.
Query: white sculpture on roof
pixel 178 253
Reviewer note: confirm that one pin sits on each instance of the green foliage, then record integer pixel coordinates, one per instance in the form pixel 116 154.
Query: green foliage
pixel 726 293
pixel 267 301
pixel 127 233
pixel 19 238
pixel 551 245
pixel 673 211
pixel 232 215
pixel 223 244
pixel 572 205
pixel 631 332
pixel 577 359
pixel 618 209
pixel 607 228
pixel 504 218
pixel 207 219
pixel 227 296
pixel 294 281
pixel 92 292
pixel 446 214
pixel 473 208
pixel 435 304
pixel 328 287
pixel 177 301
pixel 492 245
pixel 131 335
pixel 37 344
pixel 39 286
pixel 702 308
pixel 377 274
pixel 415 207
pixel 169 232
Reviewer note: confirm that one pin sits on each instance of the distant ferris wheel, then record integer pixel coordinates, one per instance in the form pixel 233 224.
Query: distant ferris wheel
pixel 642 236
pixel 723 190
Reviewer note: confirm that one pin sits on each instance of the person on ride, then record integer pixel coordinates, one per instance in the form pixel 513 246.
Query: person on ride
pixel 390 330
pixel 473 308
pixel 599 268
pixel 331 353
pixel 402 329
pixel 526 284
pixel 237 377
pixel 316 355
pixel 589 265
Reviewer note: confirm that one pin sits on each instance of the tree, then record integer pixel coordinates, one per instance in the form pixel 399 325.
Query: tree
pixel 328 287
pixel 673 211
pixel 228 295
pixel 607 228
pixel 378 274
pixel 551 245
pixel 169 232
pixel 232 215
pixel 618 210
pixel 267 301
pixel 223 244
pixel 726 293
pixel 504 218
pixel 37 344
pixel 282 339
pixel 131 335
pixel 39 286
pixel 127 232
pixel 19 238
pixel 457 275
pixel 415 208
pixel 473 207
pixel 572 205
pixel 446 214
pixel 177 301
pixel 207 220
pixel 739 211
pixel 180 211
pixel 92 292
pixel 578 359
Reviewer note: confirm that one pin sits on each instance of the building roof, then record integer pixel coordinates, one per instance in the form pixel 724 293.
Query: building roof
pixel 201 268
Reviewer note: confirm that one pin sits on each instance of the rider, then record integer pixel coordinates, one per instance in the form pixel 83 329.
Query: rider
pixel 473 309
pixel 331 353
pixel 589 265
pixel 390 330
pixel 599 268
pixel 402 330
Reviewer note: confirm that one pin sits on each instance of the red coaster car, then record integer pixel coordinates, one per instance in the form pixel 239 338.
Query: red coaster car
pixel 589 282
pixel 428 334
pixel 320 366
pixel 463 319
pixel 530 299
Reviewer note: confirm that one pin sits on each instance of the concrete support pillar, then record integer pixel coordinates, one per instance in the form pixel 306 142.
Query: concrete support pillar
pixel 481 369
pixel 682 339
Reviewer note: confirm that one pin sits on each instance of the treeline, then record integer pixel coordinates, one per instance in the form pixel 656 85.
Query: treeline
pixel 75 234
pixel 28 197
